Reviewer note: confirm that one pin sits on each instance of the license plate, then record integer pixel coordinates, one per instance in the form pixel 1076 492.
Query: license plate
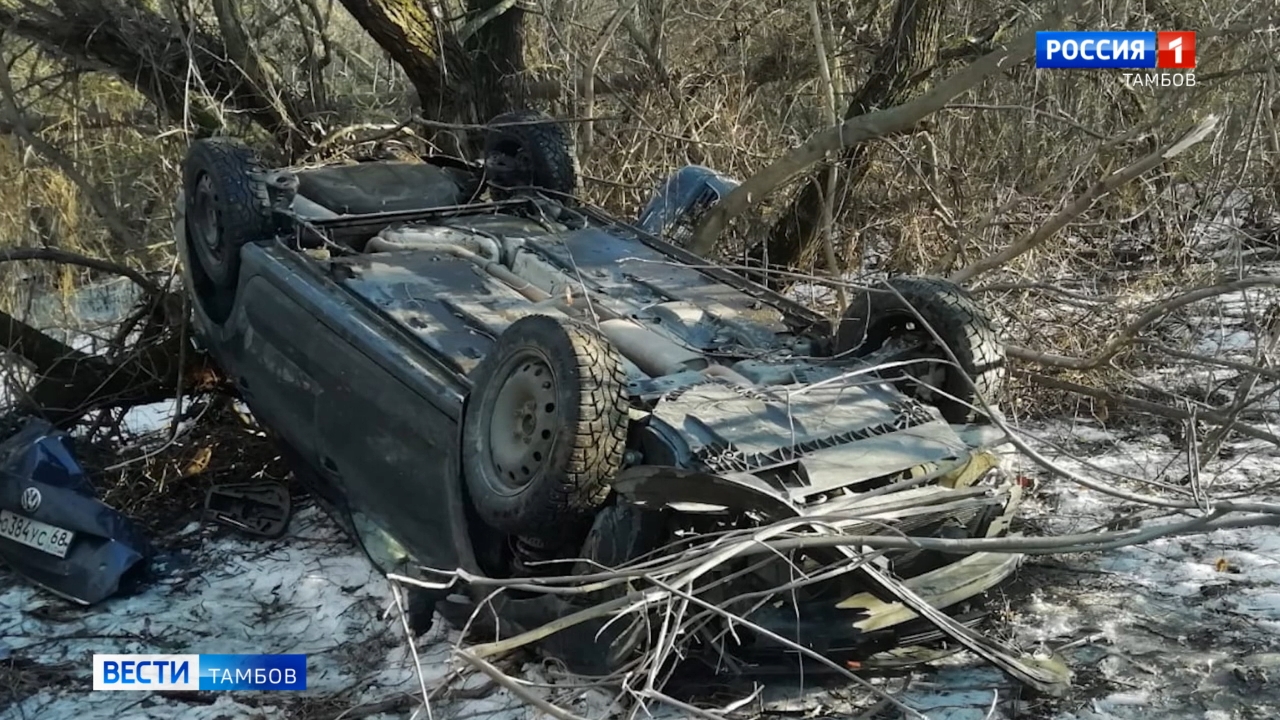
pixel 33 533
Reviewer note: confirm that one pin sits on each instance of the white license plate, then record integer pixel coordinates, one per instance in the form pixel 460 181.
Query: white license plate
pixel 33 533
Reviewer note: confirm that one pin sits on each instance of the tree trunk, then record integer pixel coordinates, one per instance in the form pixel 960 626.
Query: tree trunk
pixel 497 53
pixel 71 383
pixel 896 75
pixel 465 79
pixel 463 75
pixel 407 31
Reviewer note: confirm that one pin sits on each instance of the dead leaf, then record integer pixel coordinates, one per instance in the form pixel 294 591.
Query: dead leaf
pixel 199 462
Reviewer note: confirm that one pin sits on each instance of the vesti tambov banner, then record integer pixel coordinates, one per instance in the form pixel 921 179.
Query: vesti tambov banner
pixel 1115 49
pixel 199 672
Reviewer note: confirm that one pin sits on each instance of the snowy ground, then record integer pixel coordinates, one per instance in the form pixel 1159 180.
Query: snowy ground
pixel 1176 628
pixel 1180 628
pixel 311 592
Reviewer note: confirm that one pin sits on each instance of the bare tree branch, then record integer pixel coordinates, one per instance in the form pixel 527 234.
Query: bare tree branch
pixel 1125 337
pixel 102 205
pixel 587 134
pixel 154 54
pixel 1086 200
pixel 859 129
pixel 1147 406
pixel 70 258
pixel 243 56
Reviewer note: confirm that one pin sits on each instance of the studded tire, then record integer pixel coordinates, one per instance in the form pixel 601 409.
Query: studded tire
pixel 545 427
pixel 873 316
pixel 538 155
pixel 228 205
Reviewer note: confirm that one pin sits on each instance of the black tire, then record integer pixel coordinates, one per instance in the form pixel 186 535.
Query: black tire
pixel 620 533
pixel 873 316
pixel 420 610
pixel 228 205
pixel 545 427
pixel 539 156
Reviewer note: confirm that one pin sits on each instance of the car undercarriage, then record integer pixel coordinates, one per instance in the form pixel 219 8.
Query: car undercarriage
pixel 491 381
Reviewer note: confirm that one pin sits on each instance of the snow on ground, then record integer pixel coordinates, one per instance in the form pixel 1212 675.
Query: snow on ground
pixel 1177 628
pixel 1182 627
pixel 311 592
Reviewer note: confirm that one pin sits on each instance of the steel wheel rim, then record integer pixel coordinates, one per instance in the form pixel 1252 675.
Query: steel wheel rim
pixel 208 239
pixel 522 421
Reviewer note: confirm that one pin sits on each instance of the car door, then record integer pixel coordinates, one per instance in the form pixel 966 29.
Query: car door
pixel 387 450
pixel 391 448
pixel 273 369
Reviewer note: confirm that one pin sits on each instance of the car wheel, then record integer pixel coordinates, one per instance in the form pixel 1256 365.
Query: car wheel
pixel 545 427
pixel 537 155
pixel 876 316
pixel 621 533
pixel 227 205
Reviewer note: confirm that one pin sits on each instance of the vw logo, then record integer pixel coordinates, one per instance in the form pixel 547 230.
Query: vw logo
pixel 30 499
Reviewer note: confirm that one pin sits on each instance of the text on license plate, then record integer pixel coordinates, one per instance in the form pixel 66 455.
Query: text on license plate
pixel 33 533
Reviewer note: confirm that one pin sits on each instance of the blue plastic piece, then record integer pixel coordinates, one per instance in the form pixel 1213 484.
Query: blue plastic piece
pixel 41 480
pixel 682 199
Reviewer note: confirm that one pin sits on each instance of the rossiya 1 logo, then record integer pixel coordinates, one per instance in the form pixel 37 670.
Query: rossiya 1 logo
pixel 1122 50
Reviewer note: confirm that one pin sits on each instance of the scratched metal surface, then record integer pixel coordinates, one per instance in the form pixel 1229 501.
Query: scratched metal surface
pixel 457 309
pixel 449 303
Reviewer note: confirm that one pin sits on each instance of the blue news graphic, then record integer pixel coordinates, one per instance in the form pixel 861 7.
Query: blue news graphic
pixel 253 672
pixel 1063 49
pixel 199 672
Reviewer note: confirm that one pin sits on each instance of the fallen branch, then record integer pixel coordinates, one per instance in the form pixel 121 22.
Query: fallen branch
pixel 1086 200
pixel 1266 346
pixel 514 688
pixel 1154 408
pixel 407 701
pixel 72 383
pixel 788 643
pixel 859 129
pixel 1126 336
pixel 70 258
pixel 1269 373
pixel 397 704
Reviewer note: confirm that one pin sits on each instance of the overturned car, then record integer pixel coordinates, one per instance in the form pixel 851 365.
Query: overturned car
pixel 482 373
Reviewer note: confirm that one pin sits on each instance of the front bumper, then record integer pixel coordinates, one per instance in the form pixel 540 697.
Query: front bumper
pixel 851 622
pixel 842 618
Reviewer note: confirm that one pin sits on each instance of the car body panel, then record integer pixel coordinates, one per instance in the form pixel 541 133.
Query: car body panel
pixel 446 302
pixel 682 199
pixel 837 434
pixel 637 275
pixel 361 421
pixel 54 530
